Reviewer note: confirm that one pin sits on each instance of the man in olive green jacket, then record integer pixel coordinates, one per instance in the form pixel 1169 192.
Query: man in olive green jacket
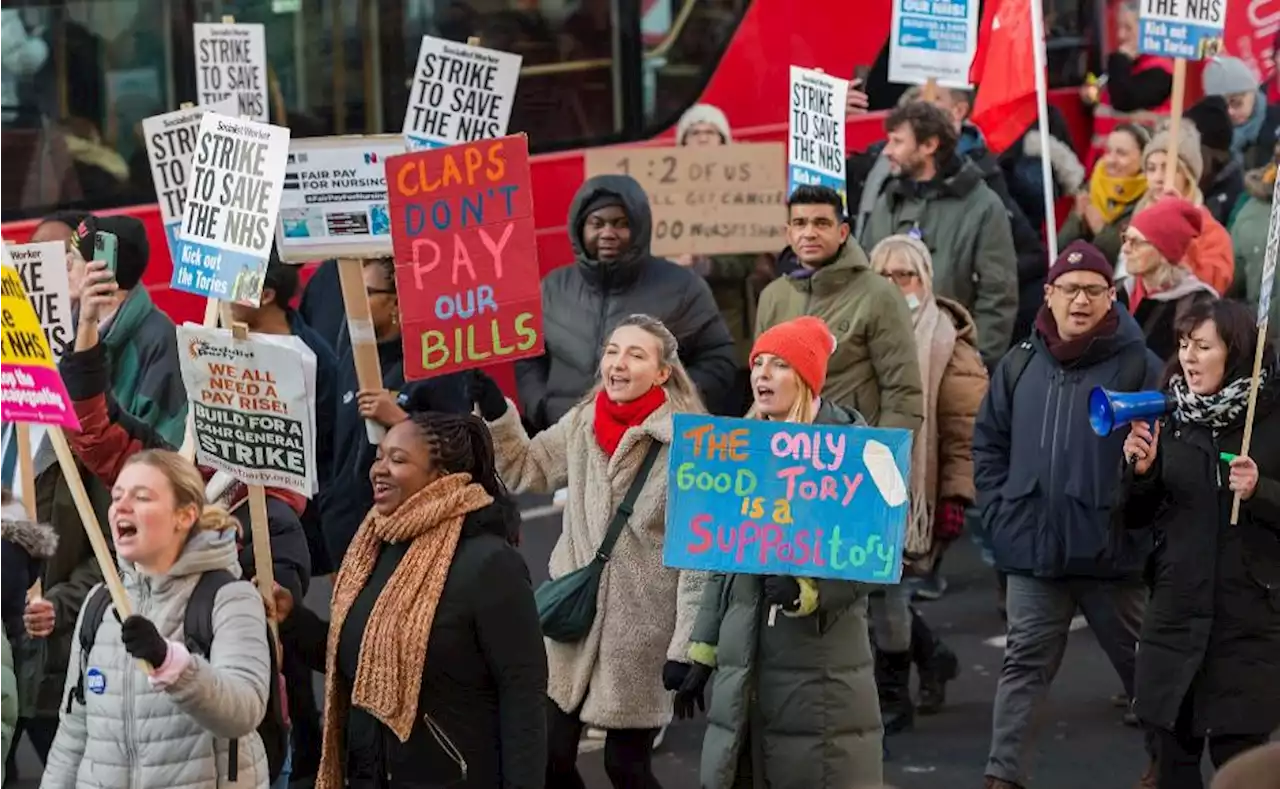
pixel 874 369
pixel 943 200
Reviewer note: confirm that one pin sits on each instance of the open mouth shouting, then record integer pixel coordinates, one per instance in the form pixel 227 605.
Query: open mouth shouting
pixel 126 532
pixel 383 490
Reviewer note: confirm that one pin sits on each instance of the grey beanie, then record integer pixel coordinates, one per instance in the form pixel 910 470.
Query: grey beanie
pixel 703 113
pixel 1225 75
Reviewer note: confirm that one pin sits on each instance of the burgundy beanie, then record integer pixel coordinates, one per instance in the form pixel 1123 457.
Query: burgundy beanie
pixel 1080 256
pixel 1171 224
pixel 805 343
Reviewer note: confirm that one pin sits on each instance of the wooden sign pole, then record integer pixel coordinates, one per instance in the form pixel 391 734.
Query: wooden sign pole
pixel 473 41
pixel 27 469
pixel 930 91
pixel 1175 122
pixel 364 344
pixel 264 570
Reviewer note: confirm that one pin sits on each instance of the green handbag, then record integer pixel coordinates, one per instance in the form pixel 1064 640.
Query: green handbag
pixel 567 605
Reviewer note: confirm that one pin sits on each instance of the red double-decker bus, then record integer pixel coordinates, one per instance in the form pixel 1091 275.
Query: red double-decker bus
pixel 80 75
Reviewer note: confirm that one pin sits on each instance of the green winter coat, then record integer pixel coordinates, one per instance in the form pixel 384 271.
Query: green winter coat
pixel 1249 240
pixel 734 284
pixel 874 369
pixel 1107 241
pixel 800 694
pixel 966 228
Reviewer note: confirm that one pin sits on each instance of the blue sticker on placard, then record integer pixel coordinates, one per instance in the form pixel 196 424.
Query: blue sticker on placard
pixel 95 681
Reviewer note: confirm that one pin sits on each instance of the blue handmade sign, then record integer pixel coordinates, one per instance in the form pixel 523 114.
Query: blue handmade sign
pixel 780 498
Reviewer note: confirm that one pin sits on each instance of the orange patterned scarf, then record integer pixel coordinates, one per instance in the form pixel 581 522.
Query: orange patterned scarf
pixel 393 647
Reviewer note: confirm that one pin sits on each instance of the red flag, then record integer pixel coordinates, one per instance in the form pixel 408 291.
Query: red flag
pixel 1005 105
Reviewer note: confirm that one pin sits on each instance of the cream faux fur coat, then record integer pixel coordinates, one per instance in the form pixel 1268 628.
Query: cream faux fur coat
pixel 645 611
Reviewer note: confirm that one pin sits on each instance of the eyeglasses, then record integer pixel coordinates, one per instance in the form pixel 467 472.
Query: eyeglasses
pixel 1091 292
pixel 1133 241
pixel 900 277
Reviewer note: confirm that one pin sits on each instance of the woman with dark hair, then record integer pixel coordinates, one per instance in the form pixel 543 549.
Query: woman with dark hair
pixel 348 496
pixel 1208 666
pixel 434 669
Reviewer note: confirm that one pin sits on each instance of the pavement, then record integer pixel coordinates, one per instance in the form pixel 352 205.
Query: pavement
pixel 1082 742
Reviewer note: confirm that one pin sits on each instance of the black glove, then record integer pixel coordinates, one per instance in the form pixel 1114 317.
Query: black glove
pixel 674 673
pixel 782 591
pixel 143 641
pixel 486 394
pixel 691 689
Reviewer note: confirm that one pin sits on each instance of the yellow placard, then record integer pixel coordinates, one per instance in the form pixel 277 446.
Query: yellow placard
pixel 24 342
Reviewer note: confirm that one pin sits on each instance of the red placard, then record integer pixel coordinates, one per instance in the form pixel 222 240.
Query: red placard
pixel 466 256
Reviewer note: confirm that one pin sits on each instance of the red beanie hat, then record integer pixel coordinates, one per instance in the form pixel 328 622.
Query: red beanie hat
pixel 805 343
pixel 1170 225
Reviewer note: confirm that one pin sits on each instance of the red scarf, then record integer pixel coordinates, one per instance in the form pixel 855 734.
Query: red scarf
pixel 615 419
pixel 1068 352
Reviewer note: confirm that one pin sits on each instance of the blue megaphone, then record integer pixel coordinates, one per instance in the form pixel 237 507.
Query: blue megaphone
pixel 1109 411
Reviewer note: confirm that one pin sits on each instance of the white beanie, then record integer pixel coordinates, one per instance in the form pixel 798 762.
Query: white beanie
pixel 703 113
pixel 1225 75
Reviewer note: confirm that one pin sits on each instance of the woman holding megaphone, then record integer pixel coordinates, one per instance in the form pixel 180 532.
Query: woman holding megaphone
pixel 1208 664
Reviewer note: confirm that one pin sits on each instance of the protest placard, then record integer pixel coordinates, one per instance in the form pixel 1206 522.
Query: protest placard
pixel 30 388
pixel 815 152
pixel 231 62
pixel 466 256
pixel 233 197
pixel 707 201
pixel 252 416
pixel 1187 29
pixel 171 139
pixel 43 269
pixel 782 498
pixel 932 40
pixel 334 202
pixel 460 93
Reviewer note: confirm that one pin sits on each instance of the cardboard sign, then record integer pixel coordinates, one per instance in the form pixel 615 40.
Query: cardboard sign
pixel 461 93
pixel 233 197
pixel 30 388
pixel 707 201
pixel 171 139
pixel 815 153
pixel 43 269
pixel 1187 29
pixel 466 256
pixel 933 39
pixel 231 62
pixel 334 202
pixel 253 418
pixel 780 498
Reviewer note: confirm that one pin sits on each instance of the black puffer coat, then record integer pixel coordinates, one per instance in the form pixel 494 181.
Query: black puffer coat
pixel 1212 627
pixel 581 304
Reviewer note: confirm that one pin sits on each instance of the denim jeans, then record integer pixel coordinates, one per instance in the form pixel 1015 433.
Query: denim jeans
pixel 286 771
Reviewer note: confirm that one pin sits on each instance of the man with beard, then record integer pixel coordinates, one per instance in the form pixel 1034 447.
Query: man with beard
pixel 874 368
pixel 940 198
pixel 1044 484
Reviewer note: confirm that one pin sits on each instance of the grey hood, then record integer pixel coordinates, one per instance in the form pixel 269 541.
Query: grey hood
pixel 636 204
pixel 204 551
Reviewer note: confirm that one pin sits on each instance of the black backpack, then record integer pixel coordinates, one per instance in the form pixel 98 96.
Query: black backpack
pixel 197 625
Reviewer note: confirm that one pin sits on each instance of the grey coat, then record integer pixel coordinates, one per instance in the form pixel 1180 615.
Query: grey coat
pixel 801 695
pixel 128 734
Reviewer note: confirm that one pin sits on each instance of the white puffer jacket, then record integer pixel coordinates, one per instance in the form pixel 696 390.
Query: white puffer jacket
pixel 128 734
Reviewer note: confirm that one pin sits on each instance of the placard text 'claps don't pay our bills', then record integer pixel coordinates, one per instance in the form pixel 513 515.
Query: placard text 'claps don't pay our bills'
pixel 782 498
pixel 466 258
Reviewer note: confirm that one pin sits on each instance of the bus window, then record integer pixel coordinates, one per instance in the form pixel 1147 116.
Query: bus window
pixel 684 40
pixel 74 92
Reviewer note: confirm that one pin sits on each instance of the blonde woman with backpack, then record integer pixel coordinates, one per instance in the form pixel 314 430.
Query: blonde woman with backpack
pixel 188 721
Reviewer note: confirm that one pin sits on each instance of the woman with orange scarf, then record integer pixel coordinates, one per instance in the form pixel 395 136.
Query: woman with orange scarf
pixel 1116 186
pixel 434 669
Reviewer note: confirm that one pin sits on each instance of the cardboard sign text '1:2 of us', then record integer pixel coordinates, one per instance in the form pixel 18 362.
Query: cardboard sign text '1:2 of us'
pixel 466 257
pixel 781 498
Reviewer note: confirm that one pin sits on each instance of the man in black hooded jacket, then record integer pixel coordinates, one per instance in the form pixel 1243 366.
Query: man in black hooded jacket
pixel 614 276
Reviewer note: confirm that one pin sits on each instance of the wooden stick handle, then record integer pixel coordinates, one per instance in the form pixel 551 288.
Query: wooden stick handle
pixel 1175 122
pixel 364 343
pixel 27 470
pixel 1258 356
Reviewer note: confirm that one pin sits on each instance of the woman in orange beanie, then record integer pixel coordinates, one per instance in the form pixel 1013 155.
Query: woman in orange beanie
pixel 816 656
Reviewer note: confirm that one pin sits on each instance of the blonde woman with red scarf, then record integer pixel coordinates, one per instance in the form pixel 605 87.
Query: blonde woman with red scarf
pixel 617 676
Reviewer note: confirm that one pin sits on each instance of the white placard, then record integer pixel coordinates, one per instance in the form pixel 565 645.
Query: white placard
pixel 43 269
pixel 250 406
pixel 334 201
pixel 933 39
pixel 233 199
pixel 1188 29
pixel 231 61
pixel 460 93
pixel 815 146
pixel 170 139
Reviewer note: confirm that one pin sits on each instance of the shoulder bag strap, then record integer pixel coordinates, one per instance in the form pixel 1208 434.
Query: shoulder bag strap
pixel 623 513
